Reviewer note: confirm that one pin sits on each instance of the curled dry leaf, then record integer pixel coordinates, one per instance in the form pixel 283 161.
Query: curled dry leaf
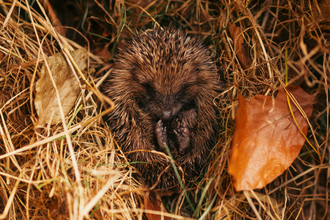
pixel 266 139
pixel 67 85
pixel 241 53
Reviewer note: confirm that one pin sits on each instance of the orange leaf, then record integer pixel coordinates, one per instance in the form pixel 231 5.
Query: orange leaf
pixel 241 53
pixel 153 202
pixel 266 139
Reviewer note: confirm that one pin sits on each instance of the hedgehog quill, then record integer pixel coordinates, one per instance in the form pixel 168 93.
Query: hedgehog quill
pixel 163 85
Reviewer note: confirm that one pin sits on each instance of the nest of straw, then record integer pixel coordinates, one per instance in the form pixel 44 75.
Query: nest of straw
pixel 79 171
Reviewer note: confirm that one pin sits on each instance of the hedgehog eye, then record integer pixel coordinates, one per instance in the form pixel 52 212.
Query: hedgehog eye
pixel 148 88
pixel 183 90
pixel 191 104
pixel 141 103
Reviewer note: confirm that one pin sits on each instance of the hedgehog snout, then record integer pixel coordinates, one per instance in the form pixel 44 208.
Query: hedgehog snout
pixel 169 110
pixel 166 114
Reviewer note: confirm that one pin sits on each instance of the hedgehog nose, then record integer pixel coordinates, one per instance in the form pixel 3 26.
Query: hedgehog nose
pixel 166 115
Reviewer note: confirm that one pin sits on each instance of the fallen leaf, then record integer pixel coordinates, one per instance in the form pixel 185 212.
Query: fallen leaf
pixel 241 53
pixel 103 52
pixel 57 209
pixel 67 84
pixel 54 19
pixel 266 139
pixel 153 202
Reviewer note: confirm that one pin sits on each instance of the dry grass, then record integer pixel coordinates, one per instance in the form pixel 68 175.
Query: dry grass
pixel 78 171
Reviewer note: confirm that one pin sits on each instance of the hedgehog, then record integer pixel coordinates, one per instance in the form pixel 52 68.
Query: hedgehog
pixel 163 85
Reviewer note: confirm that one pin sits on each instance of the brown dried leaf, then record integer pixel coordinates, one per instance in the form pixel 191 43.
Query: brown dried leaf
pixel 103 52
pixel 68 87
pixel 54 18
pixel 151 202
pixel 266 139
pixel 241 53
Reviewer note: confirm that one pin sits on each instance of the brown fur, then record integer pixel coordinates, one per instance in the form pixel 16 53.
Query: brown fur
pixel 163 85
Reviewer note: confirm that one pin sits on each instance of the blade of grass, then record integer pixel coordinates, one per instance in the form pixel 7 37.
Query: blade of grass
pixel 119 30
pixel 83 22
pixel 178 177
pixel 208 208
pixel 202 198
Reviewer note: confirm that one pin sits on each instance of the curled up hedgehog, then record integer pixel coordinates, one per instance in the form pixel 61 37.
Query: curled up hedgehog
pixel 163 85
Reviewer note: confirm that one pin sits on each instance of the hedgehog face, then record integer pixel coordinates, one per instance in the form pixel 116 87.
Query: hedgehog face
pixel 170 104
pixel 165 88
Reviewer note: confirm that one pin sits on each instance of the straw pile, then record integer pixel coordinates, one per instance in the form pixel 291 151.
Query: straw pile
pixel 74 169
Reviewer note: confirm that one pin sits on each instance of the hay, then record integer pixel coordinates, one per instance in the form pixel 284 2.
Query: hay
pixel 79 171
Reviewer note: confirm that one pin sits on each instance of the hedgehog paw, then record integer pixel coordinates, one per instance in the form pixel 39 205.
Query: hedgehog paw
pixel 183 135
pixel 161 134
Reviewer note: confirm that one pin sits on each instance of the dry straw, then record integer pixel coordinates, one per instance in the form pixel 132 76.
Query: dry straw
pixel 75 170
